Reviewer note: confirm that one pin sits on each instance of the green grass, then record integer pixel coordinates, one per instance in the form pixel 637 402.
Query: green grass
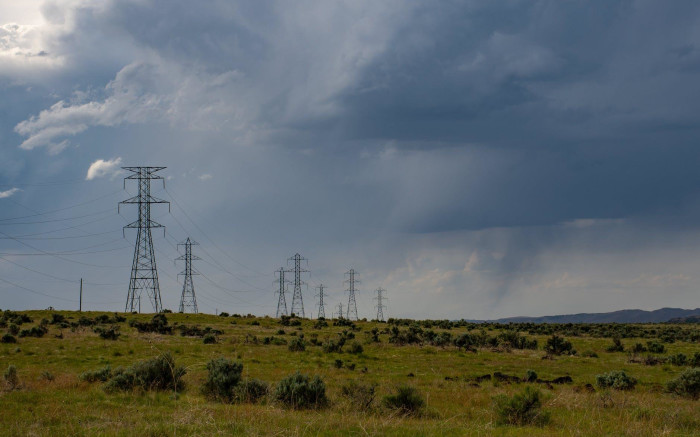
pixel 453 407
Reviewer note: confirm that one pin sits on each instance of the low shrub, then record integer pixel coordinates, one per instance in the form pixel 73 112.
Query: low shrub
pixel 8 338
pixel 111 333
pixel 223 314
pixel 251 390
pixel 617 346
pixel 558 346
pixel 209 339
pixel 530 376
pixel 407 400
pixel 523 408
pixel 35 331
pixel 678 359
pixel 158 324
pixel 655 347
pixel 617 379
pixel 47 376
pixel 355 348
pixel 330 346
pixel 224 375
pixel 300 392
pixel 361 396
pixel 160 373
pixel 11 377
pixel 101 375
pixel 297 345
pixel 687 384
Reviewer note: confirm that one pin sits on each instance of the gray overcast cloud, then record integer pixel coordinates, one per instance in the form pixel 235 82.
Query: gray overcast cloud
pixel 476 159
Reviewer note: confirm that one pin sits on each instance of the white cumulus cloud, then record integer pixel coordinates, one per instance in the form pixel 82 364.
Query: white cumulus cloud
pixel 102 168
pixel 8 193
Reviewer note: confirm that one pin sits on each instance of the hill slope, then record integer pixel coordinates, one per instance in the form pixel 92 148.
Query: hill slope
pixel 623 316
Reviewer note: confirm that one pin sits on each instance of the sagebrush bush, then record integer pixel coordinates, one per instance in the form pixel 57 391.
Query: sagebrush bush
pixel 101 375
pixel 355 348
pixel 300 392
pixel 655 347
pixel 158 324
pixel 361 396
pixel 524 408
pixel 251 390
pixel 687 384
pixel 111 333
pixel 530 376
pixel 330 346
pixel 224 375
pixel 160 373
pixel 8 338
pixel 617 346
pixel 406 400
pixel 209 339
pixel 297 345
pixel 11 377
pixel 617 379
pixel 558 346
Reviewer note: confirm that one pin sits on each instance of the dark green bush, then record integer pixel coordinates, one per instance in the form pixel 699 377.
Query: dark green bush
pixel 8 338
pixel 407 400
pixel 160 373
pixel 361 396
pixel 617 379
pixel 223 314
pixel 687 384
pixel 355 348
pixel 330 346
pixel 14 329
pixel 523 408
pixel 158 324
pixel 530 376
pixel 678 359
pixel 111 333
pixel 655 347
pixel 300 391
pixel 35 331
pixel 251 390
pixel 558 346
pixel 224 375
pixel 209 339
pixel 297 345
pixel 617 346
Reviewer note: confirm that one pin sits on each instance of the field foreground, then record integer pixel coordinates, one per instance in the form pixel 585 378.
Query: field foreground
pixel 48 396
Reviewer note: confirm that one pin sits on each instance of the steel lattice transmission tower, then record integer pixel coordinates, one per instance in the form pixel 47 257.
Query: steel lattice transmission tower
pixel 321 308
pixel 340 310
pixel 297 300
pixel 380 304
pixel 144 275
pixel 352 304
pixel 282 300
pixel 188 299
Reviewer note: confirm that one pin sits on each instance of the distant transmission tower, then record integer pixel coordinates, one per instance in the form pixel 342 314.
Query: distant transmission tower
pixel 144 275
pixel 282 301
pixel 380 304
pixel 352 305
pixel 321 308
pixel 340 310
pixel 297 300
pixel 188 299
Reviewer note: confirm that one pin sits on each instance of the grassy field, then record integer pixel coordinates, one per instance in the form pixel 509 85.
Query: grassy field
pixel 50 399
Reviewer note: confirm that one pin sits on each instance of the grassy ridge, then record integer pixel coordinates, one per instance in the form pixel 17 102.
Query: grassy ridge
pixel 455 403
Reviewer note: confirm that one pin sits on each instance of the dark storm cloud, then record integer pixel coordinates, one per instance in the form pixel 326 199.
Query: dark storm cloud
pixel 437 146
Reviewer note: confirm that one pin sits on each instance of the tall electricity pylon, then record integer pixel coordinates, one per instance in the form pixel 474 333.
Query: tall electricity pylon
pixel 321 308
pixel 188 299
pixel 281 301
pixel 352 305
pixel 297 300
pixel 144 275
pixel 380 304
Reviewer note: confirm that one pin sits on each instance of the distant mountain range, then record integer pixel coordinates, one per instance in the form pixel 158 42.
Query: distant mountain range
pixel 679 315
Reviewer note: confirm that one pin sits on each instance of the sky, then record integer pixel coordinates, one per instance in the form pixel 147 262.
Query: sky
pixel 475 159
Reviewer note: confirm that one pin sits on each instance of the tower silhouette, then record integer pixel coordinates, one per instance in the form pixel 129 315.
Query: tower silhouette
pixel 188 300
pixel 144 275
pixel 297 299
pixel 380 304
pixel 281 301
pixel 352 304
pixel 321 308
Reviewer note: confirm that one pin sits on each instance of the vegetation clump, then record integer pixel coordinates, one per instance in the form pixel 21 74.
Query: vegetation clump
pixel 251 390
pixel 617 379
pixel 158 324
pixel 224 375
pixel 8 338
pixel 160 373
pixel 617 346
pixel 407 400
pixel 35 331
pixel 355 348
pixel 558 346
pixel 209 339
pixel 361 396
pixel 301 392
pixel 297 345
pixel 524 408
pixel 99 375
pixel 687 384
pixel 111 333
pixel 11 378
